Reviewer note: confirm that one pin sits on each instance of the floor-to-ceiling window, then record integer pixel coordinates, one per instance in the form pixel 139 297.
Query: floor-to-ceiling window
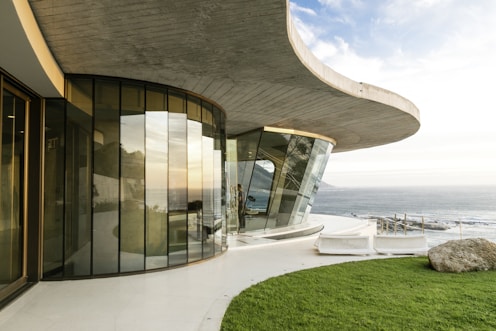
pixel 134 178
pixel 78 179
pixel 54 220
pixel 178 179
pixel 156 165
pixel 106 156
pixel 195 175
pixel 12 224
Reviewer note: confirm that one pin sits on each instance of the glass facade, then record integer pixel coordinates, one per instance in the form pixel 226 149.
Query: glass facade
pixel 134 179
pixel 138 176
pixel 279 173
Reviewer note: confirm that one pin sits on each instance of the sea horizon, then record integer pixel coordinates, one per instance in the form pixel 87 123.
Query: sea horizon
pixel 466 211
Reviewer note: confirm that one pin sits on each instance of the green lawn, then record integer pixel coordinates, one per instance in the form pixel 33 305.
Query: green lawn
pixel 381 294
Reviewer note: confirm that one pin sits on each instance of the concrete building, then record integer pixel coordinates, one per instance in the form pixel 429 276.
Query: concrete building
pixel 138 135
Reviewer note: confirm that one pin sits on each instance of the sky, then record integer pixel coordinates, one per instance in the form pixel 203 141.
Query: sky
pixel 439 54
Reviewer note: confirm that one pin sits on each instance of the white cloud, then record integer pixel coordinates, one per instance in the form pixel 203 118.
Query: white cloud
pixel 420 160
pixel 306 32
pixel 331 3
pixel 341 3
pixel 296 8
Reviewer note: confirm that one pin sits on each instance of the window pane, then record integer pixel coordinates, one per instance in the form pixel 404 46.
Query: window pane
pixel 79 94
pixel 307 183
pixel 297 156
pixel 194 191
pixel 320 157
pixel 259 195
pixel 273 148
pixel 208 196
pixel 79 137
pixel 156 189
pixel 217 199
pixel 220 180
pixel 177 102
pixel 178 181
pixel 194 108
pixel 156 100
pixel 247 147
pixel 106 178
pixel 11 180
pixel 53 226
pixel 132 223
pixel 232 180
pixel 207 120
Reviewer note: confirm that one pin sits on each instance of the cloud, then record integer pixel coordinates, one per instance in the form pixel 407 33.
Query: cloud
pixel 299 9
pixel 420 160
pixel 342 3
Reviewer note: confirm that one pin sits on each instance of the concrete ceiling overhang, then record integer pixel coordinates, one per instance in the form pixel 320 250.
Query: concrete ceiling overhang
pixel 244 55
pixel 24 52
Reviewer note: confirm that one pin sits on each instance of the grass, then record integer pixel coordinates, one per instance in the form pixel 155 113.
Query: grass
pixel 381 294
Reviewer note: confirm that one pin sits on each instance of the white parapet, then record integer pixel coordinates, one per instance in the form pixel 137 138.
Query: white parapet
pixel 401 245
pixel 344 245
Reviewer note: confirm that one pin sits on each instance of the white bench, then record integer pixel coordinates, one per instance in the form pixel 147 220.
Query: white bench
pixel 344 245
pixel 401 245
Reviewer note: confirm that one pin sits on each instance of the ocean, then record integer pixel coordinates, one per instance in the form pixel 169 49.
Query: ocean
pixel 466 211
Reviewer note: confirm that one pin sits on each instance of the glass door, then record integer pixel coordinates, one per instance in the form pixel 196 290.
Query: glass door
pixel 12 126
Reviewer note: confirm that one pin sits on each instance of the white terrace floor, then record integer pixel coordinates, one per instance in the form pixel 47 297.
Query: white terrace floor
pixel 193 297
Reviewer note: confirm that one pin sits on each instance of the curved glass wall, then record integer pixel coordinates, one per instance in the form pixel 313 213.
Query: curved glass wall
pixel 134 178
pixel 279 173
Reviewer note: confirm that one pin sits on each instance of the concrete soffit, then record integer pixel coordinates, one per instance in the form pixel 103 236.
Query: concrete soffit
pixel 25 53
pixel 255 66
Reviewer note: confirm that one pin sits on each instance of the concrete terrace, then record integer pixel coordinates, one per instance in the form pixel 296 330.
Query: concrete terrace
pixel 193 297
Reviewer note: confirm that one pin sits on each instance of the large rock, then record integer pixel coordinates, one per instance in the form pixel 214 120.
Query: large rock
pixel 464 255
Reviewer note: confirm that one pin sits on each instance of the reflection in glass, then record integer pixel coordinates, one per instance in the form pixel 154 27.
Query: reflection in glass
pixel 11 180
pixel 194 109
pixel 195 210
pixel 220 190
pixel 178 181
pixel 78 192
pixel 247 146
pixel 231 189
pixel 320 157
pixel 209 221
pixel 134 179
pixel 106 178
pixel 156 188
pixel 297 156
pixel 217 200
pixel 132 224
pixel 257 200
pixel 53 226
pixel 176 102
pixel 284 179
pixel 273 148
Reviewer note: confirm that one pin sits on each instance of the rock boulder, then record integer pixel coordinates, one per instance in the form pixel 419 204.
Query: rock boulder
pixel 464 255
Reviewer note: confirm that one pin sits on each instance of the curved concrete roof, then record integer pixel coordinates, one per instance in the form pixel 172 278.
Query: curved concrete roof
pixel 244 55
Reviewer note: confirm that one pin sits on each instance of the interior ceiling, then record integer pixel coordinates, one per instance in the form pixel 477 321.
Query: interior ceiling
pixel 236 53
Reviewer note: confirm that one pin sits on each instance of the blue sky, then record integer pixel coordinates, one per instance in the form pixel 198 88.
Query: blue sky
pixel 441 55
